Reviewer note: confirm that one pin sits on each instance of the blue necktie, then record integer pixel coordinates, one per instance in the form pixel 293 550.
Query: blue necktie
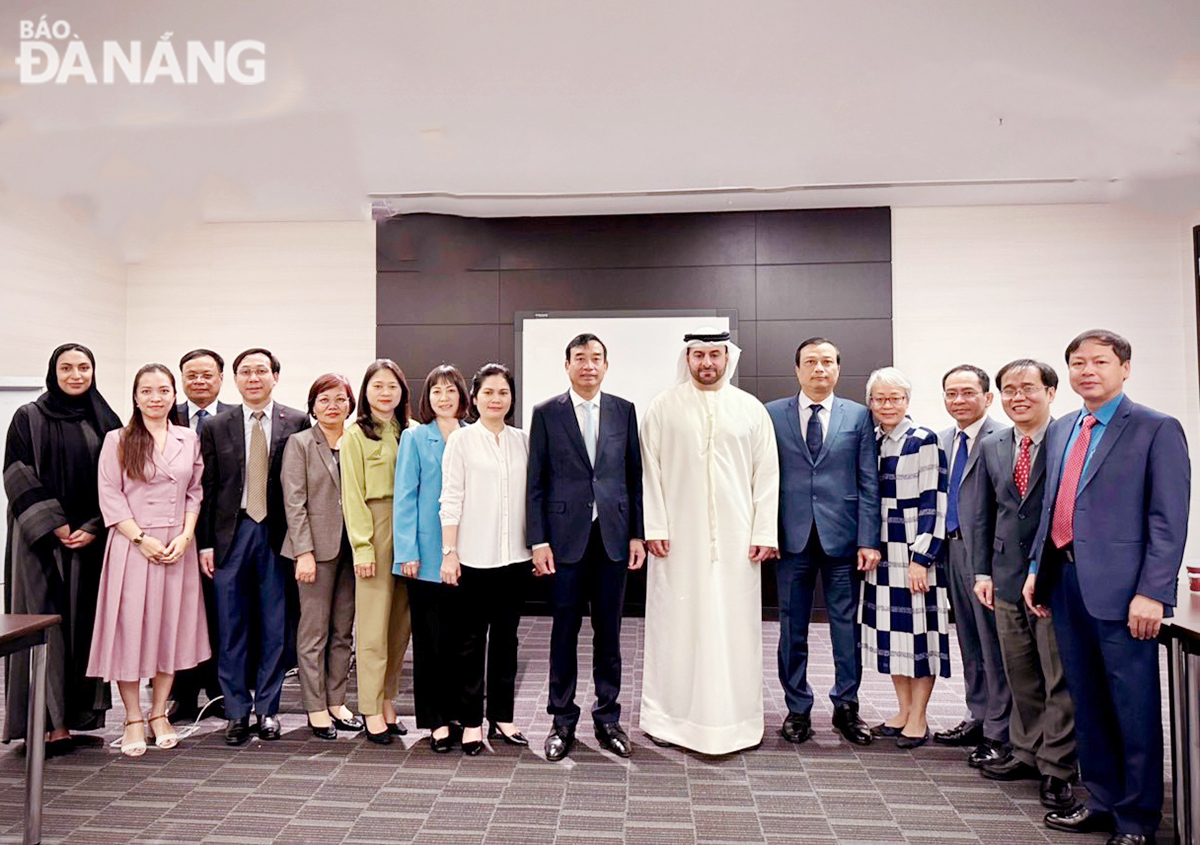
pixel 956 476
pixel 201 417
pixel 813 436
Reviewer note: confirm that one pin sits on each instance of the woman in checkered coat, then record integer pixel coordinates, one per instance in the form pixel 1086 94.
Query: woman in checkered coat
pixel 905 609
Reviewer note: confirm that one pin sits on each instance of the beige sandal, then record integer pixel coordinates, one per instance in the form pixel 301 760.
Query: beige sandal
pixel 169 740
pixel 133 749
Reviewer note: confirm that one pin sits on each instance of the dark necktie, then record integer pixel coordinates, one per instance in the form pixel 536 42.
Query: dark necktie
pixel 956 477
pixel 813 435
pixel 1021 470
pixel 201 419
pixel 1062 527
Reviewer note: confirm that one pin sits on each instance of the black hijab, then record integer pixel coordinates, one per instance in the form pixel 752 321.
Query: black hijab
pixel 76 426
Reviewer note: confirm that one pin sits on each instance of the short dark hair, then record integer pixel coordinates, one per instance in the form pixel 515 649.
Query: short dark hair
pixel 477 382
pixel 449 374
pixel 817 341
pixel 258 350
pixel 202 353
pixel 583 340
pixel 1049 376
pixel 984 381
pixel 325 382
pixel 1119 345
pixel 365 420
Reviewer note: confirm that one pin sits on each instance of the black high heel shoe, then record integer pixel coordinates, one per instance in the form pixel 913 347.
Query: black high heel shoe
pixel 494 732
pixel 446 743
pixel 473 747
pixel 384 737
pixel 327 732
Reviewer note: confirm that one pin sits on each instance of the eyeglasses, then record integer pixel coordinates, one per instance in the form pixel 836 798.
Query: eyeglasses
pixel 883 401
pixel 969 395
pixel 261 372
pixel 1028 390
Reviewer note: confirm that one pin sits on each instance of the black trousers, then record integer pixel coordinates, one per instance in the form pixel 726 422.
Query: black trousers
pixel 597 581
pixel 435 619
pixel 491 610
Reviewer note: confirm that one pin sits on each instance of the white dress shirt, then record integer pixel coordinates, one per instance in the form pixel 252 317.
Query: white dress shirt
pixel 248 425
pixel 193 409
pixel 581 417
pixel 806 406
pixel 483 493
pixel 972 432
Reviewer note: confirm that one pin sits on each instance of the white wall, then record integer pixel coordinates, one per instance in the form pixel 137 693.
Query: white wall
pixel 59 283
pixel 986 285
pixel 306 291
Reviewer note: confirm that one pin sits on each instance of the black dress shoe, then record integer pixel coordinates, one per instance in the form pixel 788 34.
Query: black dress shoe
pixel 517 738
pixel 797 727
pixel 965 732
pixel 1130 839
pixel 610 736
pixel 472 748
pixel 397 728
pixel 1056 793
pixel 988 752
pixel 268 728
pixel 558 743
pixel 1079 819
pixel 354 724
pixel 886 731
pixel 1009 768
pixel 58 747
pixel 847 721
pixel 237 731
pixel 906 741
pixel 87 741
pixel 661 743
pixel 327 732
pixel 381 738
pixel 446 743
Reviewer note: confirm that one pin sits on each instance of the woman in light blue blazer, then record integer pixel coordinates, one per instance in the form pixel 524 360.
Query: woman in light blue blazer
pixel 418 552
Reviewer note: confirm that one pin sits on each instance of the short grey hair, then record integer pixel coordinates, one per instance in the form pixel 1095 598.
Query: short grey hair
pixel 892 376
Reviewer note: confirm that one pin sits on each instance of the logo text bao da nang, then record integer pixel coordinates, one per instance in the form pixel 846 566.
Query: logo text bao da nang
pixel 51 52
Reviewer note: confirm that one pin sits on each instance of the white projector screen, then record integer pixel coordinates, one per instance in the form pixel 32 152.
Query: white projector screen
pixel 643 350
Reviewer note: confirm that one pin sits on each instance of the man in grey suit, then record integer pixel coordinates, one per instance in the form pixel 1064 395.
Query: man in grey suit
pixel 966 390
pixel 1013 467
pixel 829 526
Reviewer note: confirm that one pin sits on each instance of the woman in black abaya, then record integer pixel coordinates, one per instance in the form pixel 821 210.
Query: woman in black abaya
pixel 55 548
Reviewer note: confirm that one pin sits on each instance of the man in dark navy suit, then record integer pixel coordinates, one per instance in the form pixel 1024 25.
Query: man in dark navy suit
pixel 1105 560
pixel 829 526
pixel 584 522
pixel 202 372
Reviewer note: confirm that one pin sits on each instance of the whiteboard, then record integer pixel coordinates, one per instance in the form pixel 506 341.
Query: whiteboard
pixel 643 351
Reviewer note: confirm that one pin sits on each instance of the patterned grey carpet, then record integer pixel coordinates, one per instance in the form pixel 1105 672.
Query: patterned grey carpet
pixel 305 791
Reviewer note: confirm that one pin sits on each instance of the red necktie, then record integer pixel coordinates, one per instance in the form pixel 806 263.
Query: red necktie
pixel 1021 470
pixel 1062 529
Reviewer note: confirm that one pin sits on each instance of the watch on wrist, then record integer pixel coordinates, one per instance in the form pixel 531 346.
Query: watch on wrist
pixel 447 550
pixel 137 541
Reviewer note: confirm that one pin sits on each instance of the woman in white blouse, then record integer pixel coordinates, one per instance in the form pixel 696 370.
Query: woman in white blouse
pixel 484 552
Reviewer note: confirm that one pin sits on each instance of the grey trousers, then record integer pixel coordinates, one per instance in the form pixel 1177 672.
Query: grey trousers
pixel 324 637
pixel 989 701
pixel 1042 727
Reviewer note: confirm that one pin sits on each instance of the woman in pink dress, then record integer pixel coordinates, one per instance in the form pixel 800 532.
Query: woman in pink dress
pixel 150 618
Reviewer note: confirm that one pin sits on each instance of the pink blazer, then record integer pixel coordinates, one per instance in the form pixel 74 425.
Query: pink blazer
pixel 173 487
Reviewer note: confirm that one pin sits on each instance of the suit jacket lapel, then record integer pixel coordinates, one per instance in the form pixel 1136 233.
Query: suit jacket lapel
pixel 171 448
pixel 793 418
pixel 987 428
pixel 277 434
pixel 836 417
pixel 1005 452
pixel 608 421
pixel 237 420
pixel 326 454
pixel 567 419
pixel 1115 426
pixel 1037 470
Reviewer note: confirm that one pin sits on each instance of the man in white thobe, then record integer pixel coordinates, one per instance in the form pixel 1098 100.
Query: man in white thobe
pixel 711 495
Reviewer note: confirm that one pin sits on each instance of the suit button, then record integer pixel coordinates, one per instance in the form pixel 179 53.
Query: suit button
pixel 1020 516
pixel 589 504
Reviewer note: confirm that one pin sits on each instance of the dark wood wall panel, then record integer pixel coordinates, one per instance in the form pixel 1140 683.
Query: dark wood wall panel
pixel 448 288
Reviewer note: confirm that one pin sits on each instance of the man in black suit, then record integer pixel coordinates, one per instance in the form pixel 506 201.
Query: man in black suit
pixel 202 372
pixel 584 522
pixel 240 531
pixel 1013 466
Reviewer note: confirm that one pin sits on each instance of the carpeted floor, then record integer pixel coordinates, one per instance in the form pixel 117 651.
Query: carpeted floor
pixel 304 790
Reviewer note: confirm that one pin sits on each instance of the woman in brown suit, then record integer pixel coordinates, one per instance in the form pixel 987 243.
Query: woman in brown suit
pixel 317 542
